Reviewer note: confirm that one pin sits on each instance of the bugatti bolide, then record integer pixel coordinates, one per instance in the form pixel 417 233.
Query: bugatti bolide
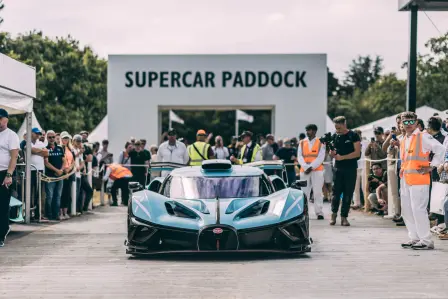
pixel 219 207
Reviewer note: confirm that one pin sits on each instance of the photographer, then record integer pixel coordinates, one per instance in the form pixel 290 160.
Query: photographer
pixel 347 151
pixel 377 196
pixel 375 150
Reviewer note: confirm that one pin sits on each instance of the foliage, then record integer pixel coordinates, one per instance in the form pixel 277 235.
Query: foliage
pixel 71 80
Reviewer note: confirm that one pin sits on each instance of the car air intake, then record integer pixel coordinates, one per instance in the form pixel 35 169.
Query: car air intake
pixel 174 209
pixel 258 208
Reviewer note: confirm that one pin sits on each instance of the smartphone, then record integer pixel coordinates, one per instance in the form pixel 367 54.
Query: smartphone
pixel 394 137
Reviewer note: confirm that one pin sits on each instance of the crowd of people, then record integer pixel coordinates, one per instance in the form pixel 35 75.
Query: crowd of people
pixel 404 162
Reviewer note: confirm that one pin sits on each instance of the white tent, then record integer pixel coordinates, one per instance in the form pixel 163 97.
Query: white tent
pixel 17 92
pixel 329 126
pixel 423 112
pixel 100 132
pixel 34 124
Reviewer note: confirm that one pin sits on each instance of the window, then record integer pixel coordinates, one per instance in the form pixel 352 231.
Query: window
pixel 212 187
pixel 166 186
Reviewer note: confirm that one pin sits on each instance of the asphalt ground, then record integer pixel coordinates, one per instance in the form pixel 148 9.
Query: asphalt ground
pixel 84 257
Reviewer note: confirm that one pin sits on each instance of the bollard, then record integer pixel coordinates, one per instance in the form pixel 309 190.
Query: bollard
pixel 39 187
pixel 367 205
pixel 74 199
pixel 391 174
pixel 89 176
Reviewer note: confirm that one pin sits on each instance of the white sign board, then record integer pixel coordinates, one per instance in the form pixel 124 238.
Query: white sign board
pixel 139 86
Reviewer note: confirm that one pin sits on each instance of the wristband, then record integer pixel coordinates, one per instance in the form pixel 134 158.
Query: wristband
pixel 8 175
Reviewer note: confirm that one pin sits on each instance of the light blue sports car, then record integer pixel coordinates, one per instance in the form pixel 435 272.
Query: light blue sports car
pixel 218 207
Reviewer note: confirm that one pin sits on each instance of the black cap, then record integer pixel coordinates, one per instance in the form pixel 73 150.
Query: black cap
pixel 172 132
pixel 379 130
pixel 3 113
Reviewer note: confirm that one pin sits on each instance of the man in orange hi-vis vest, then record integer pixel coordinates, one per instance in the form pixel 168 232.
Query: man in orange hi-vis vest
pixel 119 176
pixel 311 155
pixel 415 148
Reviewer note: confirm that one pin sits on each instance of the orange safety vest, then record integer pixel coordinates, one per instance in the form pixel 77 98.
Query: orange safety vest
pixel 414 160
pixel 118 172
pixel 310 155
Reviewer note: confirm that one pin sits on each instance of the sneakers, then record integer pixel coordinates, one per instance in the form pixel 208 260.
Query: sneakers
pixel 320 217
pixel 409 244
pixel 344 221
pixel 2 244
pixel 421 246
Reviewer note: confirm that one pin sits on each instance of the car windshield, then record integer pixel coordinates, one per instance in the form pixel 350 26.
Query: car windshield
pixel 211 187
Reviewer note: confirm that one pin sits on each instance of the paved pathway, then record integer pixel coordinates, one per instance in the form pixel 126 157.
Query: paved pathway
pixel 85 258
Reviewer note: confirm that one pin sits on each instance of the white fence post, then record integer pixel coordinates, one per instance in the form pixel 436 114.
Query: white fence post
pixel 74 199
pixel 102 193
pixel 89 176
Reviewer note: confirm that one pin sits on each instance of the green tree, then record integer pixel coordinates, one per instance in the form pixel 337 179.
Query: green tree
pixel 362 73
pixel 71 80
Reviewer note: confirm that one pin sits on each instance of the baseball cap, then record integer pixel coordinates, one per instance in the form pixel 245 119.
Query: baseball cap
pixel 379 130
pixel 36 131
pixel 65 134
pixel 3 113
pixel 201 133
pixel 270 136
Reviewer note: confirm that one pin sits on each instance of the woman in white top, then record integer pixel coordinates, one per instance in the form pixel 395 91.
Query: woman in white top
pixel 124 158
pixel 221 152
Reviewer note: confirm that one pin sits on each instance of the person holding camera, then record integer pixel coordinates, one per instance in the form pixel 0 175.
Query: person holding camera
pixel 346 152
pixel 377 196
pixel 415 174
pixel 311 155
pixel 375 148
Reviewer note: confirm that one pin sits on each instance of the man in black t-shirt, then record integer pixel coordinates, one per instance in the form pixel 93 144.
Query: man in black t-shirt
pixel 142 157
pixel 288 155
pixel 54 165
pixel 347 152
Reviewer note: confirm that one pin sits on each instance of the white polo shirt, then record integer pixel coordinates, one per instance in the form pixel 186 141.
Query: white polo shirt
pixel 36 160
pixel 8 141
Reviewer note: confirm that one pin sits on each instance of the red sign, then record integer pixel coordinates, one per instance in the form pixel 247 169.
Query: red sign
pixel 217 231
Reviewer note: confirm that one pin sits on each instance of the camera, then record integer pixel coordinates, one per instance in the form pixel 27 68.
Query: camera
pixel 327 139
pixel 372 139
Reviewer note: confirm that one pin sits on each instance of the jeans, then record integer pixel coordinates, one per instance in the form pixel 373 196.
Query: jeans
pixel 5 197
pixel 344 184
pixel 53 192
pixel 291 176
pixel 83 186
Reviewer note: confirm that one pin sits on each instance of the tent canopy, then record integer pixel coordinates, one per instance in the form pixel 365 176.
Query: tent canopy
pixel 100 132
pixel 17 86
pixel 34 124
pixel 423 112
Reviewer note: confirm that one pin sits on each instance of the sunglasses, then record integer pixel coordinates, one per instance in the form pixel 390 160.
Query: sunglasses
pixel 409 122
pixel 51 137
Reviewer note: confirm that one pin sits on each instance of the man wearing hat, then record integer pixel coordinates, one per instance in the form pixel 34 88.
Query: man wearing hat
pixel 172 151
pixel 375 148
pixel 38 152
pixel 200 150
pixel 250 152
pixel 9 151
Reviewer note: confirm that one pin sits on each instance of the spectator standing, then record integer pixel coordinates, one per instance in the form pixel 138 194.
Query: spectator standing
pixel 172 151
pixel 9 151
pixel 434 129
pixel 221 152
pixel 357 204
pixel 415 171
pixel 153 150
pixel 250 151
pixel 328 175
pixel 348 150
pixel 269 149
pixel 311 155
pixel 38 152
pixel 124 158
pixel 69 155
pixel 288 155
pixel 84 187
pixel 200 150
pixel 375 148
pixel 104 158
pixel 54 168
pixel 232 147
pixel 140 161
